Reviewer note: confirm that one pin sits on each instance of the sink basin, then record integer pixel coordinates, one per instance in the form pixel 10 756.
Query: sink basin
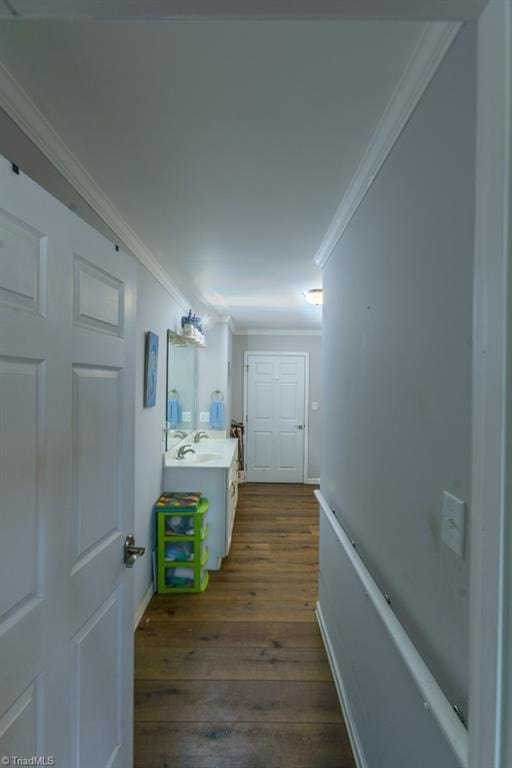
pixel 201 457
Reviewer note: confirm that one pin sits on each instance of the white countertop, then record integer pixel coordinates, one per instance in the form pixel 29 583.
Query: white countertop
pixel 209 453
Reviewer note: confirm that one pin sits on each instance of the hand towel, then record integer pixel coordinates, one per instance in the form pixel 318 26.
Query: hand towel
pixel 217 415
pixel 173 412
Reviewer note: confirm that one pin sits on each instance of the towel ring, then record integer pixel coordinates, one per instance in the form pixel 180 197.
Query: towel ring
pixel 175 393
pixel 217 395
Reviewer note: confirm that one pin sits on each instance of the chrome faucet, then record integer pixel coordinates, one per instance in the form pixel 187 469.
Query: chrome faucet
pixel 181 452
pixel 200 436
pixel 179 433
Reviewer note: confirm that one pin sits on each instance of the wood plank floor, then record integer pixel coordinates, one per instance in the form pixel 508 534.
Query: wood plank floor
pixel 238 677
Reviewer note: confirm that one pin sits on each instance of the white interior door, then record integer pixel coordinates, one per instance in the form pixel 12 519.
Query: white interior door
pixel 275 418
pixel 67 302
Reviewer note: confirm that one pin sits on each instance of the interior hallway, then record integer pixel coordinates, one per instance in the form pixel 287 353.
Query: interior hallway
pixel 238 677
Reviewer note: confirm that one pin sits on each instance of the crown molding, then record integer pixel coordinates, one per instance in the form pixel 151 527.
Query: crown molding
pixel 276 332
pixel 432 46
pixel 20 107
pixel 228 320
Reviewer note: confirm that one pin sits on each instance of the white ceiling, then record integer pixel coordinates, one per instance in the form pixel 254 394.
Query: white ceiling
pixel 226 145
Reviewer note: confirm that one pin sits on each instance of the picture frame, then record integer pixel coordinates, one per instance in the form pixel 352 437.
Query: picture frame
pixel 150 369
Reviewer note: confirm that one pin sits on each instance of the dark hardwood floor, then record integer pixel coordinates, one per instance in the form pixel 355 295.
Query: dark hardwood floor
pixel 238 677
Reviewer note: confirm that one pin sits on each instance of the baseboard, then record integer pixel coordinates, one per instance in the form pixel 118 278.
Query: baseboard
pixel 353 735
pixel 139 613
pixel 313 481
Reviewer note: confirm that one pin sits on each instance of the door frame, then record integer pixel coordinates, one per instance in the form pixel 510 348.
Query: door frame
pixel 490 694
pixel 305 355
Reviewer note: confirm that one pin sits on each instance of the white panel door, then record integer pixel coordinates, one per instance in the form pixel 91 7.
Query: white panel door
pixel 67 302
pixel 275 418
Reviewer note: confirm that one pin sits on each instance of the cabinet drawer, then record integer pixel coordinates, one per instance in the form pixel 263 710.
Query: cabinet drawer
pixel 184 552
pixel 178 524
pixel 182 578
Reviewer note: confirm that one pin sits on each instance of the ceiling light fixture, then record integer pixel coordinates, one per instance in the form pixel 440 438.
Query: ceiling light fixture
pixel 315 296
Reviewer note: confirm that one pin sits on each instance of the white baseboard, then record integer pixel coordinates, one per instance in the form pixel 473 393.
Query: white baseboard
pixel 353 735
pixel 313 481
pixel 139 613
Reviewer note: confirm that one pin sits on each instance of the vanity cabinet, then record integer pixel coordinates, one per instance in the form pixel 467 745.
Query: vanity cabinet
pixel 219 484
pixel 231 501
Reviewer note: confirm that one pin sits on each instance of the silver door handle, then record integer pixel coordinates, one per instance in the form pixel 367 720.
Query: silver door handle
pixel 131 552
pixel 299 426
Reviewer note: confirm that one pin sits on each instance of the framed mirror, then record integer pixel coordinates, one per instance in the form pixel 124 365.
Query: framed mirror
pixel 181 401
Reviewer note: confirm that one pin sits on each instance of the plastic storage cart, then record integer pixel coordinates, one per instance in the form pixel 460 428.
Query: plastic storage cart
pixel 182 551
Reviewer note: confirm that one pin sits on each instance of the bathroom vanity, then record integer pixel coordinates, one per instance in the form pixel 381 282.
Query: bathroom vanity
pixel 211 467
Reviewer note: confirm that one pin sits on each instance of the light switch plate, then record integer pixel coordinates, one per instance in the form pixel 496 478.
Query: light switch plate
pixel 186 416
pixel 314 405
pixel 204 417
pixel 454 523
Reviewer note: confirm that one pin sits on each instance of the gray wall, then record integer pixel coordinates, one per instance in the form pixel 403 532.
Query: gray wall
pixel 156 312
pixel 213 368
pixel 311 344
pixel 397 368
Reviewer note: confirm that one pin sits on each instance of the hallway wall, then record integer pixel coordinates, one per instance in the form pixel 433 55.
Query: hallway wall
pixel 397 389
pixel 214 365
pixel 156 311
pixel 284 343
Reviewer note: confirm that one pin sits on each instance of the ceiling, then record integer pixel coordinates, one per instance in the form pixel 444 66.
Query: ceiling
pixel 287 9
pixel 225 145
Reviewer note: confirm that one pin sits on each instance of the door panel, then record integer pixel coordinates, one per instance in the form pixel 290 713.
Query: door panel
pixel 66 483
pixel 287 401
pixel 98 298
pixel 288 368
pixel 262 450
pixel 275 418
pixel 288 450
pixel 264 400
pixel 22 265
pixel 21 387
pixel 96 449
pixel 97 706
pixel 264 369
pixel 21 723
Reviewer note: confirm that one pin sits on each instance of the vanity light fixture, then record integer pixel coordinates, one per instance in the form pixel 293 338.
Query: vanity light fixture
pixel 315 296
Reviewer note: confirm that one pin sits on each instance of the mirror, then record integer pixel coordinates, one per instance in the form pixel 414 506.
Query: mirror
pixel 181 390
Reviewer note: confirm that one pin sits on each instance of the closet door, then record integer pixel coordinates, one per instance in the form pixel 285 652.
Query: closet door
pixel 275 418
